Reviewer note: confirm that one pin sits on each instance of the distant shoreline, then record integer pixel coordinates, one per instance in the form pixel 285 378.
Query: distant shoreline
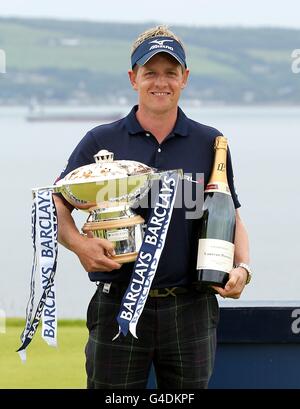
pixel 186 103
pixel 229 65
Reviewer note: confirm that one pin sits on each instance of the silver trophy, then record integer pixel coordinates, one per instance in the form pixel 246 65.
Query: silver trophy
pixel 108 189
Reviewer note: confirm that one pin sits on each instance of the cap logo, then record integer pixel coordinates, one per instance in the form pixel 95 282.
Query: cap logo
pixel 152 46
pixel 160 44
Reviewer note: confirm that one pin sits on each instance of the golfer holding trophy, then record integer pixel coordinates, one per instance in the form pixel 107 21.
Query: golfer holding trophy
pixel 147 308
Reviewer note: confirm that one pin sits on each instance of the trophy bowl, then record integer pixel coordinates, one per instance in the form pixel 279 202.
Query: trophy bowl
pixel 107 189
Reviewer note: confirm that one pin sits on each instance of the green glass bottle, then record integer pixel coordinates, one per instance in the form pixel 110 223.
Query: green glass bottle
pixel 217 225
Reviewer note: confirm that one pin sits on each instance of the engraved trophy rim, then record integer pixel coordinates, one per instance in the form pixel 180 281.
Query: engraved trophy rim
pixel 106 181
pixel 107 189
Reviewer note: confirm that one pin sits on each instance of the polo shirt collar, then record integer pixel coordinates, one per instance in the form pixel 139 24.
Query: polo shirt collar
pixel 134 127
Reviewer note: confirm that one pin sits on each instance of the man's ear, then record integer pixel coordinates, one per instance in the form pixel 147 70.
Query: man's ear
pixel 185 78
pixel 132 78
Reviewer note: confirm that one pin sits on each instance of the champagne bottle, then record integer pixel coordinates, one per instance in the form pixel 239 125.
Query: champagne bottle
pixel 217 225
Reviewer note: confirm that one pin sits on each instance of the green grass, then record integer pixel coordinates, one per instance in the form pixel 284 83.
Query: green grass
pixel 201 62
pixel 271 56
pixel 31 49
pixel 37 48
pixel 34 57
pixel 46 367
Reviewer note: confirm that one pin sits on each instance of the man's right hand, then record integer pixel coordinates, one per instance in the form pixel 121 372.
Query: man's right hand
pixel 95 254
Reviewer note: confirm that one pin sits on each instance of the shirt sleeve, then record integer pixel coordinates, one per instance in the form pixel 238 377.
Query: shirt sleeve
pixel 230 178
pixel 82 155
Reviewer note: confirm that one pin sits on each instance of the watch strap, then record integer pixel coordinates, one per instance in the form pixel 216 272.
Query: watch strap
pixel 247 268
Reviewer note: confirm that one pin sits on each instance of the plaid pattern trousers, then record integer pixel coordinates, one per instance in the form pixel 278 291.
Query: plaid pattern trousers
pixel 175 333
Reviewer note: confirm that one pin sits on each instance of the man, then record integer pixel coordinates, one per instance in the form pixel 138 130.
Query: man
pixel 177 329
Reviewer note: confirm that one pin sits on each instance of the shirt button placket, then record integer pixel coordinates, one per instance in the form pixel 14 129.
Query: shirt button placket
pixel 159 157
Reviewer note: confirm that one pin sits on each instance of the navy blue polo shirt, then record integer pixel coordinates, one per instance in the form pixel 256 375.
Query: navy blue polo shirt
pixel 189 147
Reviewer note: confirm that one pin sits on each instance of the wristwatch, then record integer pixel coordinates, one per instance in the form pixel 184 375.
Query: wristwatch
pixel 247 268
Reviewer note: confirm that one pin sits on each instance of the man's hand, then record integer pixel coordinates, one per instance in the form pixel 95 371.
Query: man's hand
pixel 235 284
pixel 95 254
pixel 237 276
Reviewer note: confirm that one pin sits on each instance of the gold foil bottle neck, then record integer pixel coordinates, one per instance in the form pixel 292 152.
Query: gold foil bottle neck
pixel 218 178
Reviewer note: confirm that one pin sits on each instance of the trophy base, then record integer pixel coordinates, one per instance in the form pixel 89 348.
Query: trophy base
pixel 120 226
pixel 125 258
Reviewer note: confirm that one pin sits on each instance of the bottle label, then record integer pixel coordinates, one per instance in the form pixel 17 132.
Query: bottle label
pixel 214 254
pixel 217 187
pixel 117 235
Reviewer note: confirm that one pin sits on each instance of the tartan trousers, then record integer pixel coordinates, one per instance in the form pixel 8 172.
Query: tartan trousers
pixel 175 333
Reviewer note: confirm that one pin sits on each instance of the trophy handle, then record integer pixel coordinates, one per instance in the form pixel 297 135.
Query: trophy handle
pixel 158 174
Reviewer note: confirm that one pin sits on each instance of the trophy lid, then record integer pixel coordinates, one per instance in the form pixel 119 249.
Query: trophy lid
pixel 104 156
pixel 106 168
pixel 105 180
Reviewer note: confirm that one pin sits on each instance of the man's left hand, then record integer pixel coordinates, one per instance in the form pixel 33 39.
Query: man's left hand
pixel 235 284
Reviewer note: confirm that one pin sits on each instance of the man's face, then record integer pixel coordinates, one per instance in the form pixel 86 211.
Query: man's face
pixel 159 83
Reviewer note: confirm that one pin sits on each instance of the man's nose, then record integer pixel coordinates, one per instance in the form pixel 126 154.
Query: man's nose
pixel 161 80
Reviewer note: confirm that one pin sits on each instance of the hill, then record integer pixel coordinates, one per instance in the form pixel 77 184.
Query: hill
pixel 57 60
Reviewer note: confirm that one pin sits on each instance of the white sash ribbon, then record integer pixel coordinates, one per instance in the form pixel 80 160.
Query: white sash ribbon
pixel 44 238
pixel 147 261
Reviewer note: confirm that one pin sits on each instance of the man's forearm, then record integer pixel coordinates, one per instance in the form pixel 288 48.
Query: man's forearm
pixel 68 234
pixel 241 242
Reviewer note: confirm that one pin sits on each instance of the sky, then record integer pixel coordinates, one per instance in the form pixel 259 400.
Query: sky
pixel 277 13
